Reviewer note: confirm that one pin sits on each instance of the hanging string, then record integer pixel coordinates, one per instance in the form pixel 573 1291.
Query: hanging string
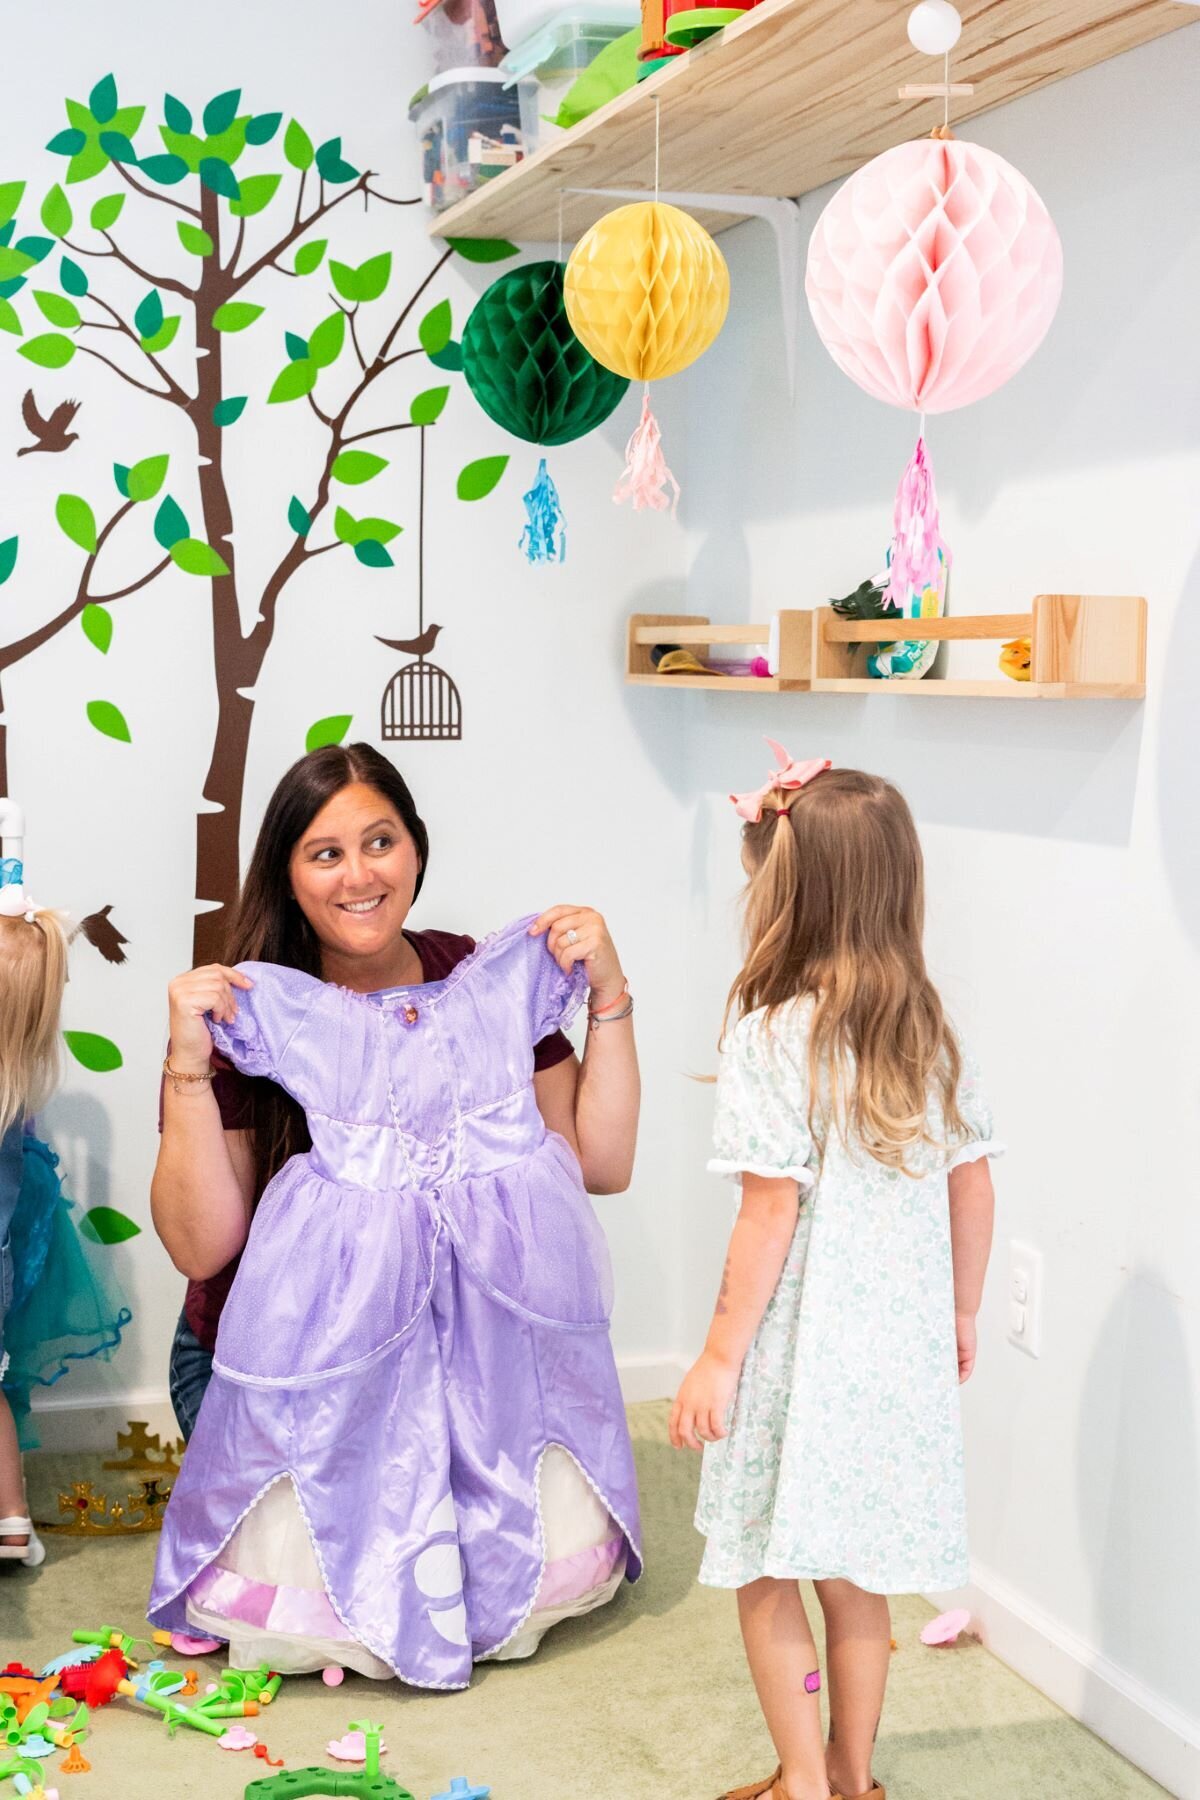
pixel 946 115
pixel 560 224
pixel 657 139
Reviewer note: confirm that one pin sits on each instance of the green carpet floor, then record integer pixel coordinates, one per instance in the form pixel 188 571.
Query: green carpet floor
pixel 647 1700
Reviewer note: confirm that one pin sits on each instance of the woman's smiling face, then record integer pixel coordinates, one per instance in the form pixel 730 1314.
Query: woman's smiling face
pixel 354 872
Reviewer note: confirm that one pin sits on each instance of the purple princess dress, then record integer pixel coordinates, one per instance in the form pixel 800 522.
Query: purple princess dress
pixel 413 1452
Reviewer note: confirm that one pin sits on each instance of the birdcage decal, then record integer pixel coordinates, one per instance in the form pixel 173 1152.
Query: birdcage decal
pixel 421 701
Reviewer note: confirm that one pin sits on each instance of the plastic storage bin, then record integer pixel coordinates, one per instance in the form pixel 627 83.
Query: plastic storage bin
pixel 462 34
pixel 469 124
pixel 546 65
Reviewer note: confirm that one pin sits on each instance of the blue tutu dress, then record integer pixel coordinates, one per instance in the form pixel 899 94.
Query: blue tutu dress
pixel 59 1304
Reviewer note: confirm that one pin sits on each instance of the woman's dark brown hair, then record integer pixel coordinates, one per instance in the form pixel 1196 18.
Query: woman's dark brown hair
pixel 268 925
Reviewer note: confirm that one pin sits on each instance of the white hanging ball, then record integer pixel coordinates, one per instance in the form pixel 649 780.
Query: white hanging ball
pixel 934 27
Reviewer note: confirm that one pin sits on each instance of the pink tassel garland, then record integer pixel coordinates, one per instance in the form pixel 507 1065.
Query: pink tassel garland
pixel 647 477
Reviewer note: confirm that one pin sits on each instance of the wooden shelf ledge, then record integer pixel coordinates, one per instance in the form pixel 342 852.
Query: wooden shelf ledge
pixel 1083 647
pixel 795 94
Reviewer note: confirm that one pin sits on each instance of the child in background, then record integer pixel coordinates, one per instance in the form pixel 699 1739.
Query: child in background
pixel 54 1304
pixel 826 1398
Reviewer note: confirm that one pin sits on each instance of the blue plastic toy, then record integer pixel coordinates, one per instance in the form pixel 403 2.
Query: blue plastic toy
pixel 461 1789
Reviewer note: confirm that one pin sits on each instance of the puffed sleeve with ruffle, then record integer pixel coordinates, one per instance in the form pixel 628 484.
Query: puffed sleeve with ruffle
pixel 761 1125
pixel 977 1116
pixel 268 1017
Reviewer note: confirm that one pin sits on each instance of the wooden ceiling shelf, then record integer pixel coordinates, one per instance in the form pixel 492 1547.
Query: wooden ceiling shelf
pixel 795 94
pixel 1084 647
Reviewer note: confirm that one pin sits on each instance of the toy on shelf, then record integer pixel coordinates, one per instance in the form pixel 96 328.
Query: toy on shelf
pixel 688 24
pixel 531 375
pixel 577 62
pixel 646 292
pixel 469 124
pixel 1016 659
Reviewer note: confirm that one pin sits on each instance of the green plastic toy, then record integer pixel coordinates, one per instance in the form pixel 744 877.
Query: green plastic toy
pixel 330 1784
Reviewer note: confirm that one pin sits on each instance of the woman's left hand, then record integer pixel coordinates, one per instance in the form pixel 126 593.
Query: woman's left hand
pixel 578 934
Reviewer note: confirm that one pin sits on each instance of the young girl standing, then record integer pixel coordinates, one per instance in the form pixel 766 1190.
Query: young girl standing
pixel 826 1398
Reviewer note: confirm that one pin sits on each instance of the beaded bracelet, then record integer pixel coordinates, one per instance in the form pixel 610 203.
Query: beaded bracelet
pixel 177 1077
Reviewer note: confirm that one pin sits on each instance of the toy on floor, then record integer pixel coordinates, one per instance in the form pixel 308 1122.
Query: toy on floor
pixel 355 1747
pixel 24 1786
pixel 185 1645
pixel 461 1789
pixel 24 1690
pixel 947 1628
pixel 334 1675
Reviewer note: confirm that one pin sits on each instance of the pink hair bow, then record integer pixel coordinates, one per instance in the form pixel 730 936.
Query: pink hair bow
pixel 790 775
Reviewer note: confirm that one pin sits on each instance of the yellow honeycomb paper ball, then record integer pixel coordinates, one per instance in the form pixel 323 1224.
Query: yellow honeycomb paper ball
pixel 646 290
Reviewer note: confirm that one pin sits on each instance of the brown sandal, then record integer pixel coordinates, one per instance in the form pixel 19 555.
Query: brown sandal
pixel 873 1793
pixel 758 1790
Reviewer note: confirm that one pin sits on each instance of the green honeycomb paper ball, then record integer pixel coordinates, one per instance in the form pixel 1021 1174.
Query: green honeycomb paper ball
pixel 526 367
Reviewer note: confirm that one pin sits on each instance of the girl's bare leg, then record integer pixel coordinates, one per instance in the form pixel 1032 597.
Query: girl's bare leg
pixel 858 1648
pixel 783 1662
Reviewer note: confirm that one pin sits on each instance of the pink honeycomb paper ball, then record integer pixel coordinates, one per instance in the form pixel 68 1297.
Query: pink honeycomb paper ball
pixel 934 274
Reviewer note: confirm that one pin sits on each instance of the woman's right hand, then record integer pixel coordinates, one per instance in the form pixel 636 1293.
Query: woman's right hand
pixel 211 989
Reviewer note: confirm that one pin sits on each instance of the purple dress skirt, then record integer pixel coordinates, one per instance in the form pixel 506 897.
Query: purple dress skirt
pixel 418 1329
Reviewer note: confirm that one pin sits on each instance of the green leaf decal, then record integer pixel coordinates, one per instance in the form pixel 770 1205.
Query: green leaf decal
pixel 11 195
pixel 146 477
pixel 13 263
pixel 99 1054
pixel 262 128
pixel 219 177
pixel 298 517
pixel 106 212
pixel 38 248
pixel 195 241
pixel 325 344
pixel 67 143
pixel 149 316
pixel 58 309
pixel 10 319
pixel 258 191
pixel 479 478
pixel 170 525
pixel 292 383
pixel 297 147
pixel 374 275
pixel 308 256
pixel 105 1225
pixel 345 280
pixel 435 328
pixel 73 278
pixel 103 100
pixel 483 250
pixel 427 408
pixel 164 337
pixel 167 171
pixel 50 351
pixel 109 720
pixel 57 216
pixel 332 165
pixel 297 347
pixel 229 411
pixel 8 558
pixel 177 115
pixel 77 521
pixel 220 113
pixel 121 477
pixel 195 557
pixel 373 554
pixel 345 526
pixel 382 530
pixel 356 466
pixel 328 731
pixel 97 627
pixel 236 315
pixel 117 147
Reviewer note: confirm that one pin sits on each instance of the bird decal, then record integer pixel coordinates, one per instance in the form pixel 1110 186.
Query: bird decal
pixel 418 646
pixel 103 935
pixel 52 434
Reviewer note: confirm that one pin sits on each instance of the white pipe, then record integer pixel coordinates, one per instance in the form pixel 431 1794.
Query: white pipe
pixel 12 829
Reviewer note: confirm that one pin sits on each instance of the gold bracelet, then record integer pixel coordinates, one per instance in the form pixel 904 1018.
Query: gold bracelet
pixel 176 1077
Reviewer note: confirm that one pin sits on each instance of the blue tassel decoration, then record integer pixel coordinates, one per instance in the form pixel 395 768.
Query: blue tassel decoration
pixel 544 539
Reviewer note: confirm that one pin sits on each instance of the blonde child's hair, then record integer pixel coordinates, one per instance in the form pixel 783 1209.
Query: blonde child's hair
pixel 834 910
pixel 33 973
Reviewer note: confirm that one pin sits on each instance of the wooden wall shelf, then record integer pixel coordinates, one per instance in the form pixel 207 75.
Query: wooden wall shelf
pixel 1085 647
pixel 798 93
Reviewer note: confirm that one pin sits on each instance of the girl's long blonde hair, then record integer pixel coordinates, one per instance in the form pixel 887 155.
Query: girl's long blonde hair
pixel 834 910
pixel 33 973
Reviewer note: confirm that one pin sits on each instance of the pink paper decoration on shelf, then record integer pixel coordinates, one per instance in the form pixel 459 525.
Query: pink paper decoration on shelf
pixel 934 274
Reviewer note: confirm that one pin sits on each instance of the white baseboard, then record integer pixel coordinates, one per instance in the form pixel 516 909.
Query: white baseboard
pixel 1153 1734
pixel 91 1421
pixel 651 1377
